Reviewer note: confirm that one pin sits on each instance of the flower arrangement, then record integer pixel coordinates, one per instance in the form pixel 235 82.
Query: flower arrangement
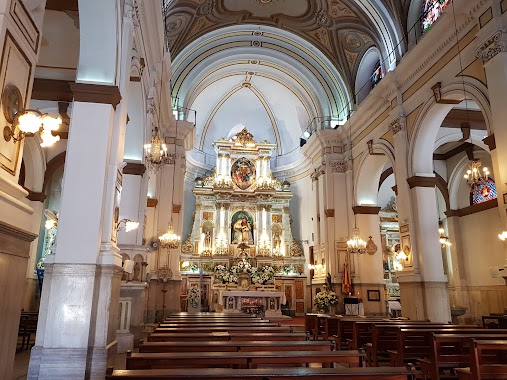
pixel 263 275
pixel 244 265
pixel 194 268
pixel 194 296
pixel 225 275
pixel 324 300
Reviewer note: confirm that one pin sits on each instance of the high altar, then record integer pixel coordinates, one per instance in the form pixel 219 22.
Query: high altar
pixel 241 242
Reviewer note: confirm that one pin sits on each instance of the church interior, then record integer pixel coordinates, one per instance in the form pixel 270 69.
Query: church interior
pixel 302 168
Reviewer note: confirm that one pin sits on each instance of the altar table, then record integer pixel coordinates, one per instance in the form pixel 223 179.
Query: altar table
pixel 234 301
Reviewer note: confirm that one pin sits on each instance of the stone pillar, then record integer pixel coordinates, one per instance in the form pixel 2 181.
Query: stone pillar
pixel 423 285
pixel 370 266
pixel 493 51
pixel 79 304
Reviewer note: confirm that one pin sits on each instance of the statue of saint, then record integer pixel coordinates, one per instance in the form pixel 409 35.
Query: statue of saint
pixel 243 231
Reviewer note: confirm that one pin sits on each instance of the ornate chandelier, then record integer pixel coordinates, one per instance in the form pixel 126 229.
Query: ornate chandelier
pixel 444 240
pixel 474 176
pixel 170 239
pixel 356 244
pixel 156 154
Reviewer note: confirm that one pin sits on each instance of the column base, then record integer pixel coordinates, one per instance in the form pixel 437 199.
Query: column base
pixel 57 363
pixel 424 300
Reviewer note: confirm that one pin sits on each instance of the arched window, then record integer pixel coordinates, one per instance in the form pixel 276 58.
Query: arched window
pixel 431 11
pixel 484 191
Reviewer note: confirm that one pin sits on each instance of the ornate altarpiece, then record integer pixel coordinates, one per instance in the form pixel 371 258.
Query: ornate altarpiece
pixel 242 213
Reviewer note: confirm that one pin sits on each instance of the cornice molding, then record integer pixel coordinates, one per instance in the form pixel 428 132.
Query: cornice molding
pixel 134 169
pixel 96 93
pixel 9 229
pixel 419 181
pixel 366 210
pixel 473 209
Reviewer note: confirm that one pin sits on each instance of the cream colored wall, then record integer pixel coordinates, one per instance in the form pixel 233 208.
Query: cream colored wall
pixel 481 247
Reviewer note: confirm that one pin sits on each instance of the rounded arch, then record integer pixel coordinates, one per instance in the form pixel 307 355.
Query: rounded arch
pixel 51 167
pixel 422 143
pixel 369 172
pixel 34 162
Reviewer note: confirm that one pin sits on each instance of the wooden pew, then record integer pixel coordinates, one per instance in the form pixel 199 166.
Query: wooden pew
pixel 230 346
pixel 310 323
pixel 449 351
pixel 27 327
pixel 242 359
pixel 217 324
pixel 234 321
pixel 383 373
pixel 223 336
pixel 266 329
pixel 488 361
pixel 210 315
pixel 385 338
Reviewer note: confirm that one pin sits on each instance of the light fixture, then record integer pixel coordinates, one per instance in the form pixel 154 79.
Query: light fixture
pixel 356 244
pixel 503 236
pixel 474 176
pixel 29 122
pixel 156 154
pixel 129 224
pixel 170 240
pixel 444 240
pixel 316 266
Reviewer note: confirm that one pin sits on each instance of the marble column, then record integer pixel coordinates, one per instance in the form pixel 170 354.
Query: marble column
pixel 77 319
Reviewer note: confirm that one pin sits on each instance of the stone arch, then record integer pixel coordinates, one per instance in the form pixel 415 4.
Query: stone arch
pixel 34 162
pixel 51 168
pixel 422 142
pixel 369 172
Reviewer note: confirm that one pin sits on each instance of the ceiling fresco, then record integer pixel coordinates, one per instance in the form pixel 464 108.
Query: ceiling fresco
pixel 343 30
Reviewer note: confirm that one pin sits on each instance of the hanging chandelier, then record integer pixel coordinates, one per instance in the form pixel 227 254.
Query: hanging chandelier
pixel 156 154
pixel 444 240
pixel 170 239
pixel 356 245
pixel 474 176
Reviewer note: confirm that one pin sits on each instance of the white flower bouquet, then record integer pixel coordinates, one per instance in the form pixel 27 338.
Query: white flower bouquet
pixel 262 276
pixel 324 300
pixel 194 297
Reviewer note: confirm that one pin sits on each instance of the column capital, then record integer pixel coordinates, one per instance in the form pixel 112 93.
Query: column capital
pixel 491 47
pixel 490 142
pixel 96 93
pixel 134 168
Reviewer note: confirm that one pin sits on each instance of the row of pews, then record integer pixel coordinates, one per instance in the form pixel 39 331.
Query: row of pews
pixel 225 346
pixel 436 350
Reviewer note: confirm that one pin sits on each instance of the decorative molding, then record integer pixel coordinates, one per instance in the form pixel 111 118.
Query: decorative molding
pixel 437 94
pixel 9 229
pixel 491 47
pixel 419 181
pixel 366 210
pixel 96 93
pixel 397 124
pixel 176 209
pixel 35 197
pixel 151 202
pixel 340 166
pixel 473 209
pixel 134 169
pixel 490 142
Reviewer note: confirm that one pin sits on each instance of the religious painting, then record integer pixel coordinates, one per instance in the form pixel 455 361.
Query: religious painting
pixel 242 225
pixel 406 246
pixel 243 173
pixel 373 295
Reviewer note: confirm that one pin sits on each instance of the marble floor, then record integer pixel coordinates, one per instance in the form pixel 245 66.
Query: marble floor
pixel 23 358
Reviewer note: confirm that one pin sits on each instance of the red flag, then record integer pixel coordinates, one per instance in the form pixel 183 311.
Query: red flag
pixel 346 283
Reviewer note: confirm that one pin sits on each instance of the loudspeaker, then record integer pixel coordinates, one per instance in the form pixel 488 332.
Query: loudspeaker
pixel 128 266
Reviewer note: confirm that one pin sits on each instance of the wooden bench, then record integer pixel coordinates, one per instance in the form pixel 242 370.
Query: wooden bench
pixel 27 327
pixel 266 329
pixel 384 373
pixel 240 359
pixel 223 336
pixel 234 321
pixel 450 351
pixel 488 361
pixel 230 346
pixel 216 324
pixel 385 338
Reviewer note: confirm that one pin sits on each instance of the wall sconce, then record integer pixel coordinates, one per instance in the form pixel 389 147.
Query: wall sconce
pixel 317 266
pixel 26 121
pixel 129 224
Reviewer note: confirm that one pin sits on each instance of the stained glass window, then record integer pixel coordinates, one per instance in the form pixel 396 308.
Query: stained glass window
pixel 431 10
pixel 377 75
pixel 484 191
